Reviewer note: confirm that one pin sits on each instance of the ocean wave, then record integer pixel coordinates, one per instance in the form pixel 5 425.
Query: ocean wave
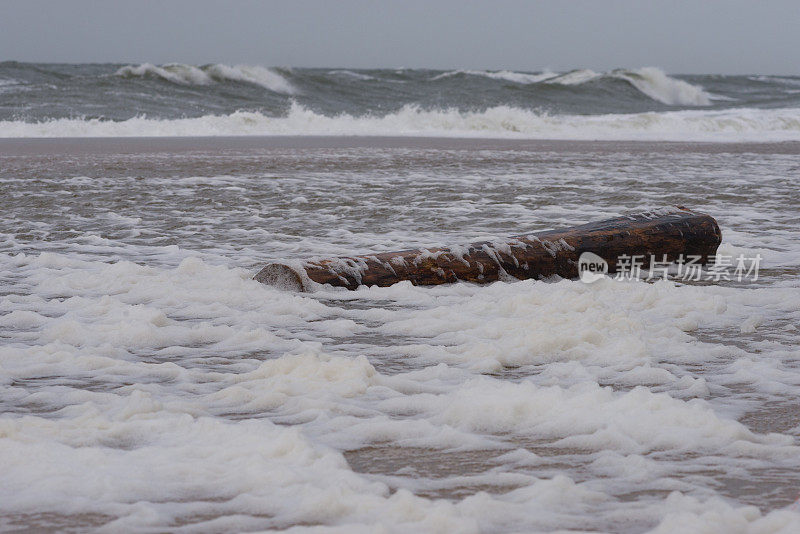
pixel 171 72
pixel 657 85
pixel 786 80
pixel 351 74
pixel 508 75
pixel 207 74
pixel 264 77
pixel 744 124
pixel 8 85
pixel 650 81
pixel 575 77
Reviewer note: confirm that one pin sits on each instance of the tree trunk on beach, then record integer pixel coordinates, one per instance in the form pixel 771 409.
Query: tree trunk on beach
pixel 665 235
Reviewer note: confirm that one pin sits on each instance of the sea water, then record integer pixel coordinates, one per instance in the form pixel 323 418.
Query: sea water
pixel 147 382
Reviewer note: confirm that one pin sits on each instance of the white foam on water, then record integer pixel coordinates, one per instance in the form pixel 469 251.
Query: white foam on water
pixel 164 447
pixel 173 392
pixel 685 514
pixel 751 125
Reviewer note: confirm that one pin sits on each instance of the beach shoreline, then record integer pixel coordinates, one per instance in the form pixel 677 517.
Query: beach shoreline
pixel 142 145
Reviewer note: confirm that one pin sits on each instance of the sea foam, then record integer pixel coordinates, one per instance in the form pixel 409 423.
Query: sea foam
pixel 729 125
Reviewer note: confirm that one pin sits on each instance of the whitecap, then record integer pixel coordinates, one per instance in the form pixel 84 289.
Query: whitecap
pixel 267 78
pixel 511 76
pixel 650 81
pixel 657 85
pixel 351 74
pixel 191 75
pixel 171 72
pixel 575 77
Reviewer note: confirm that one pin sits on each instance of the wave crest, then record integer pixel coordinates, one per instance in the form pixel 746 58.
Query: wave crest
pixel 753 125
pixel 264 77
pixel 171 72
pixel 190 75
pixel 657 85
pixel 508 75
pixel 650 81
pixel 575 77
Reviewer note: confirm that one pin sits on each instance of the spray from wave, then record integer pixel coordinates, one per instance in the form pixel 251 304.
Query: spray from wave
pixel 190 75
pixel 657 85
pixel 730 125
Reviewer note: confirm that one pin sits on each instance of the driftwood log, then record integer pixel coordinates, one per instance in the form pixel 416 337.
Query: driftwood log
pixel 663 234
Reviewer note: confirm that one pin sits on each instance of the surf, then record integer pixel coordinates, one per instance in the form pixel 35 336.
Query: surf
pixel 734 125
pixel 182 74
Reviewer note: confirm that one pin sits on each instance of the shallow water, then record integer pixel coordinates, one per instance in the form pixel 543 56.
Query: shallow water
pixel 149 383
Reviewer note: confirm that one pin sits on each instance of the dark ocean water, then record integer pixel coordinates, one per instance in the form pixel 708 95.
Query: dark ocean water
pixel 146 99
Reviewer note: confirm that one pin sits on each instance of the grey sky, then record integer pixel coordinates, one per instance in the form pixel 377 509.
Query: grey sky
pixel 711 36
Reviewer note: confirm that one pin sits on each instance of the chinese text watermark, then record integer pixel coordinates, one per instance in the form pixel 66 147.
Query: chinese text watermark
pixel 720 267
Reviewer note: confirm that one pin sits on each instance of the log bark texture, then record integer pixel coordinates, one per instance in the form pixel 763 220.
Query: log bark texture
pixel 664 234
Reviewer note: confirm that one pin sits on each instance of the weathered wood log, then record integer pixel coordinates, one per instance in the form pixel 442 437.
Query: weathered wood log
pixel 663 234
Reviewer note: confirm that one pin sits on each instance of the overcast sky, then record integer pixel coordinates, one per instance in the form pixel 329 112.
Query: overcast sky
pixel 698 36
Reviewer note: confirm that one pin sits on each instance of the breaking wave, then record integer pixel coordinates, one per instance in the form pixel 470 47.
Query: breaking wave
pixel 351 74
pixel 657 85
pixel 575 77
pixel 207 74
pixel 743 124
pixel 508 75
pixel 650 81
